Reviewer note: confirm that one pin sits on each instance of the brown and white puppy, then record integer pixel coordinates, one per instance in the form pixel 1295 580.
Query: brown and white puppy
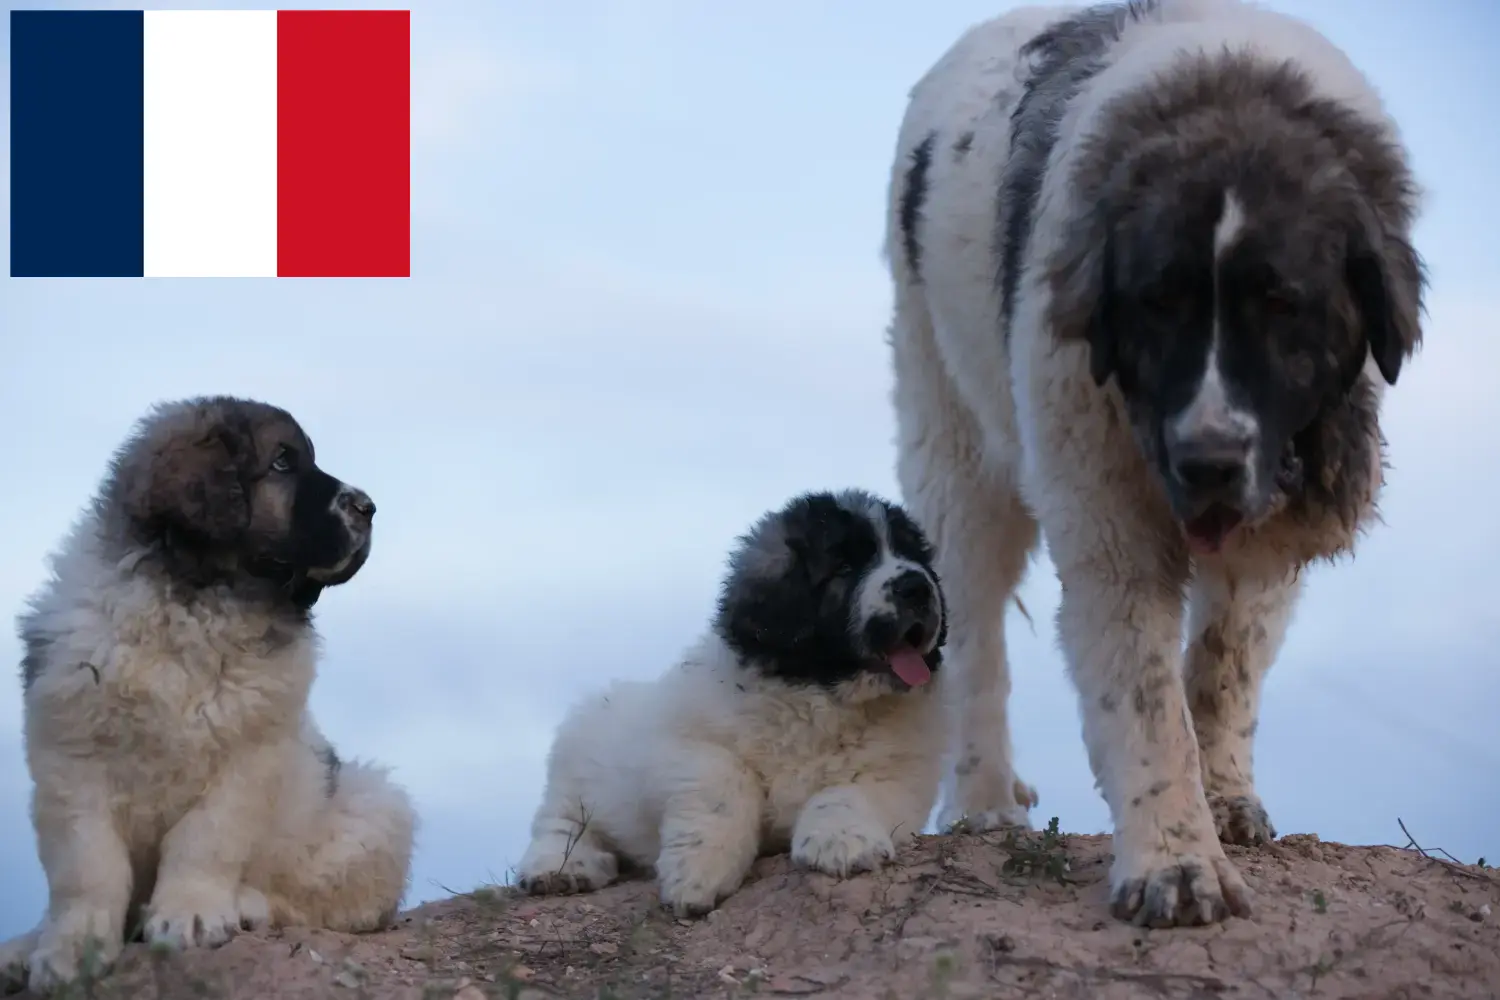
pixel 181 786
pixel 1153 273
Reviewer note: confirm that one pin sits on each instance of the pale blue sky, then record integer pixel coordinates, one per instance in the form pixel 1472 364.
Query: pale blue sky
pixel 648 305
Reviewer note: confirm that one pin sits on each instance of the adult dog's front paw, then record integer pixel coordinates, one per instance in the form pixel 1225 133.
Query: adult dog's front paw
pixel 79 945
pixel 1162 889
pixel 193 914
pixel 1241 819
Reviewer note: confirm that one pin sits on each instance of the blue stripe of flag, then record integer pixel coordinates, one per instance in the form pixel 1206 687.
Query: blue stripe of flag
pixel 77 143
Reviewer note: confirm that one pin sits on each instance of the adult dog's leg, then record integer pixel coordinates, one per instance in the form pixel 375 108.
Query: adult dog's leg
pixel 89 877
pixel 1235 631
pixel 710 830
pixel 1120 626
pixel 203 860
pixel 983 536
pixel 350 870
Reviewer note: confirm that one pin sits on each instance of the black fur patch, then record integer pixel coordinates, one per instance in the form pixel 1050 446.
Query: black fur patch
pixel 1064 57
pixel 787 605
pixel 34 656
pixel 332 765
pixel 913 195
pixel 962 145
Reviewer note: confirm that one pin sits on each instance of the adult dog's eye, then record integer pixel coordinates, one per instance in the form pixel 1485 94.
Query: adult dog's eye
pixel 285 460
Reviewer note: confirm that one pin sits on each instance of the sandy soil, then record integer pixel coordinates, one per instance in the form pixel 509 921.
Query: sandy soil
pixel 970 916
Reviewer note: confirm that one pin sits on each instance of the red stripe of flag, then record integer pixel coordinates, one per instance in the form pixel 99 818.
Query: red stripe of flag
pixel 343 136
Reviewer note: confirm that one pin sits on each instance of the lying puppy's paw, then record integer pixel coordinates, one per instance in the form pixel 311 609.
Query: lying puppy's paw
pixel 563 869
pixel 80 944
pixel 694 881
pixel 197 913
pixel 840 842
pixel 255 912
pixel 15 960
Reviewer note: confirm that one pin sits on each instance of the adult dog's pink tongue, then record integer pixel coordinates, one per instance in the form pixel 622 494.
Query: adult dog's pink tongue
pixel 910 667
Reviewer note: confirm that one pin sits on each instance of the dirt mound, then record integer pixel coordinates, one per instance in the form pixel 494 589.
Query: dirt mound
pixel 968 916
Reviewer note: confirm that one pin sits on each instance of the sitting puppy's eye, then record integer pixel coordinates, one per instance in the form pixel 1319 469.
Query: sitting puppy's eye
pixel 285 460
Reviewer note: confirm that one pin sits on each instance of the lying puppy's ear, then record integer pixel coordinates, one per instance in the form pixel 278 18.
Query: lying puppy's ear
pixel 1386 277
pixel 817 548
pixel 192 484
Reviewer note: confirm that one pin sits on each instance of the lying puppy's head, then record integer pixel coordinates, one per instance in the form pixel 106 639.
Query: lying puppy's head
pixel 1242 250
pixel 227 491
pixel 835 590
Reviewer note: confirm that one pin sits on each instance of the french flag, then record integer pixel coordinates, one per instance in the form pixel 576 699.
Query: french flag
pixel 225 143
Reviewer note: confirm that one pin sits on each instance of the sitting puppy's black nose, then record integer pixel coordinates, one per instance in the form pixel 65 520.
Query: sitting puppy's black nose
pixel 1212 463
pixel 357 502
pixel 912 590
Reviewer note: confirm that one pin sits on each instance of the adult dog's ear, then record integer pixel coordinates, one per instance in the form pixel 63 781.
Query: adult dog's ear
pixel 190 484
pixel 1386 276
pixel 1082 275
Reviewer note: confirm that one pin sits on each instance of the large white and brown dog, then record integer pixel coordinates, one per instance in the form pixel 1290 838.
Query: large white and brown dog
pixel 181 787
pixel 803 718
pixel 1152 271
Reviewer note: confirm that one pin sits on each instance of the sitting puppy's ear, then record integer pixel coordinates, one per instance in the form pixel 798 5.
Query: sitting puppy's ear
pixel 191 484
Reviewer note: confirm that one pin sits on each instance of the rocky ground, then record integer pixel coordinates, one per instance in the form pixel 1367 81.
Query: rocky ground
pixel 964 916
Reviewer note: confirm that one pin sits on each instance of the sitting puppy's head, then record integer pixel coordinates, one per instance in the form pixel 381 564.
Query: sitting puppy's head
pixel 836 590
pixel 227 491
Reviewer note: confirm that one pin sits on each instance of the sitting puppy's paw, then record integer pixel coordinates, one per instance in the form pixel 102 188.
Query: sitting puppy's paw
pixel 840 842
pixel 566 868
pixel 79 945
pixel 193 914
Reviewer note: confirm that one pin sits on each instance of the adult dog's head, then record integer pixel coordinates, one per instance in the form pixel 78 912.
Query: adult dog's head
pixel 1241 251
pixel 228 491
pixel 836 590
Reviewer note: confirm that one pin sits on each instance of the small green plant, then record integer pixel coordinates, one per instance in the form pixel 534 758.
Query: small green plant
pixel 1319 901
pixel 1044 853
pixel 944 966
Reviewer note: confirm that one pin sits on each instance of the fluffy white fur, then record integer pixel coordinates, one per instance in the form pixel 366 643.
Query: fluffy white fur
pixel 998 440
pixel 170 744
pixel 701 771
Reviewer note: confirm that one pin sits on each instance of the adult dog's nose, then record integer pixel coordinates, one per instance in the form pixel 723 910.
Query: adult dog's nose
pixel 1215 462
pixel 356 502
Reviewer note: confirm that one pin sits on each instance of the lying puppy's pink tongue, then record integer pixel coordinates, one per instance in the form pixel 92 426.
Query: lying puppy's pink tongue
pixel 910 667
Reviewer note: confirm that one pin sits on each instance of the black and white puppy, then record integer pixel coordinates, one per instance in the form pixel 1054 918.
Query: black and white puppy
pixel 804 718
